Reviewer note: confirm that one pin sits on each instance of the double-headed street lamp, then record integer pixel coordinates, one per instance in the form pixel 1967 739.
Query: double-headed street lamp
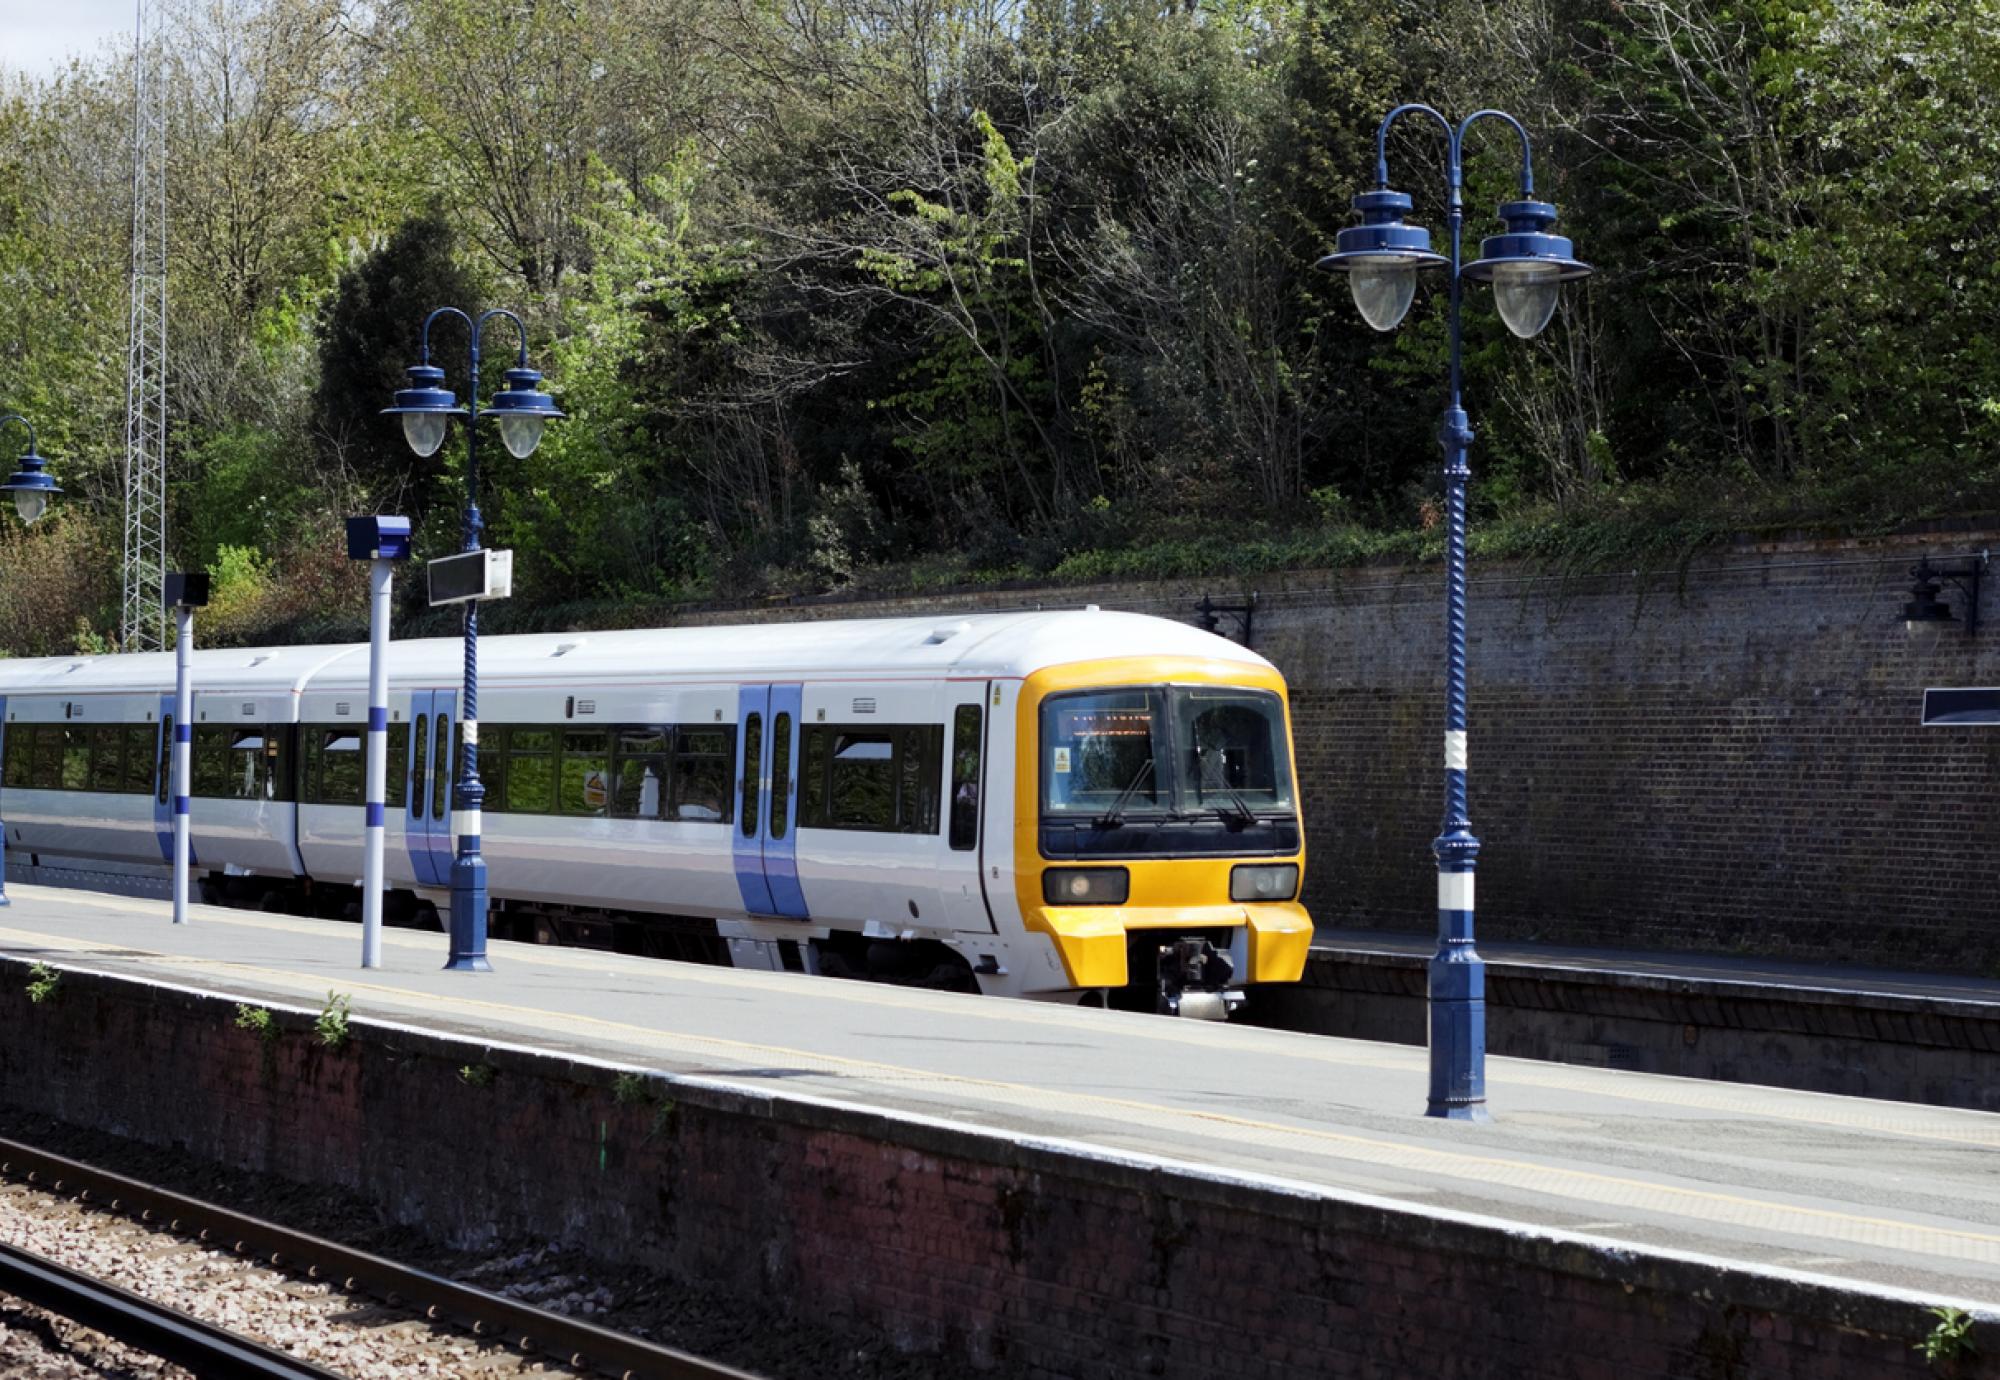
pixel 427 408
pixel 1526 266
pixel 32 487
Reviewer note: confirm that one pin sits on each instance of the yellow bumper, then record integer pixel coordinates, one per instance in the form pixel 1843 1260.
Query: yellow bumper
pixel 1091 939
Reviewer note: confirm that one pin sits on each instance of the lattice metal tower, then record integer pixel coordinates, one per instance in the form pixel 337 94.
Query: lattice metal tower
pixel 143 626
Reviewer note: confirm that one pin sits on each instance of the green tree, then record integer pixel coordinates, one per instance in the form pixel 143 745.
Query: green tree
pixel 370 337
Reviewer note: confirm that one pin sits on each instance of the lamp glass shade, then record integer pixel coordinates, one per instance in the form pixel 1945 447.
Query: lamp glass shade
pixel 1925 612
pixel 1525 295
pixel 424 431
pixel 30 503
pixel 1383 292
pixel 520 434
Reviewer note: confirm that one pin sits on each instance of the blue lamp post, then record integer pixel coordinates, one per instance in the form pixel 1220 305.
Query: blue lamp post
pixel 32 487
pixel 427 408
pixel 1526 266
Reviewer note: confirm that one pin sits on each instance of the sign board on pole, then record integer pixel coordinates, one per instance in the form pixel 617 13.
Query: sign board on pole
pixel 381 537
pixel 470 575
pixel 185 590
pixel 1959 708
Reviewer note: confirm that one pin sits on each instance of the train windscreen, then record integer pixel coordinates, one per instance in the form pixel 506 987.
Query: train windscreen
pixel 1165 751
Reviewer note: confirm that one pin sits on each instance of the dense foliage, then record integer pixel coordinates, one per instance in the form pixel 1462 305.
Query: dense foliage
pixel 938 290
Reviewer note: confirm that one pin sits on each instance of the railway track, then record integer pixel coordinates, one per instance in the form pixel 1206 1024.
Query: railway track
pixel 203 1348
pixel 492 1317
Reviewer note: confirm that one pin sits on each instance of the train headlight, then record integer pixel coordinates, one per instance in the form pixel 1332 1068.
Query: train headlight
pixel 1086 886
pixel 1279 883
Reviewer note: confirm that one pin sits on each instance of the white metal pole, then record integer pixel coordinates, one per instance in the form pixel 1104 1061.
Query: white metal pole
pixel 183 767
pixel 379 576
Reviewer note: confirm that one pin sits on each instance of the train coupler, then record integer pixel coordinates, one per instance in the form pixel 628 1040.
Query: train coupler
pixel 1194 981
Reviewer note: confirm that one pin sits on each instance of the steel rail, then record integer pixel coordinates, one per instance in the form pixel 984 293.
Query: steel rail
pixel 582 1345
pixel 155 1328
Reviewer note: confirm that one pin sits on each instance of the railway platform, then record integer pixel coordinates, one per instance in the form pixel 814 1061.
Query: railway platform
pixel 1033 1177
pixel 1907 1036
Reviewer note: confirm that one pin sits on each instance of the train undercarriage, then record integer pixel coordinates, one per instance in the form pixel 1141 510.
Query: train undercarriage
pixel 1169 973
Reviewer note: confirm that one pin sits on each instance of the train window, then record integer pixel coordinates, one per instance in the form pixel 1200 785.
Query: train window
pixel 20 755
pixel 753 771
pixel 640 789
pixel 531 771
pixel 49 757
pixel 138 775
pixel 1104 753
pixel 920 767
pixel 341 773
pixel 244 764
pixel 396 783
pixel 440 766
pixel 1233 750
pixel 211 761
pixel 107 757
pixel 280 744
pixel 586 770
pixel 702 762
pixel 166 759
pixel 492 763
pixel 639 784
pixel 76 758
pixel 861 790
pixel 813 745
pixel 965 750
pixel 309 763
pixel 781 767
pixel 881 779
pixel 420 772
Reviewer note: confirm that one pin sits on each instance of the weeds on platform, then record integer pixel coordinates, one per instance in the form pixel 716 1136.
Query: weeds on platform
pixel 477 1075
pixel 331 1023
pixel 42 980
pixel 259 1019
pixel 1950 1340
pixel 634 1089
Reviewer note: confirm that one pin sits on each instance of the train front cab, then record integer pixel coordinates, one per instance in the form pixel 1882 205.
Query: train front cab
pixel 1159 842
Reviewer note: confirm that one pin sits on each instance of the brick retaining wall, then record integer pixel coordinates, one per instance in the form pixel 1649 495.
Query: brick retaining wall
pixel 1725 758
pixel 1025 1258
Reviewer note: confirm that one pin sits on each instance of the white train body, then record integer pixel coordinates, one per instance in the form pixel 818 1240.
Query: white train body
pixel 807 793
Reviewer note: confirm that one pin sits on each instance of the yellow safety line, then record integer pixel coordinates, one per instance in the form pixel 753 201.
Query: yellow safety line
pixel 1394 1154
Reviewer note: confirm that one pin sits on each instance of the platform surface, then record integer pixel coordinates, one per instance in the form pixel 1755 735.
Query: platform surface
pixel 1700 967
pixel 1885 1193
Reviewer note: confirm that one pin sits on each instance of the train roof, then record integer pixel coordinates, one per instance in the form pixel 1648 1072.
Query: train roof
pixel 270 670
pixel 973 645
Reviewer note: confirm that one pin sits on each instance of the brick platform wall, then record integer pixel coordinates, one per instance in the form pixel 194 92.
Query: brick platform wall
pixel 1015 1259
pixel 1722 758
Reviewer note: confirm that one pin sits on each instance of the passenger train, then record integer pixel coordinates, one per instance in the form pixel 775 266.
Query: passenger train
pixel 1077 805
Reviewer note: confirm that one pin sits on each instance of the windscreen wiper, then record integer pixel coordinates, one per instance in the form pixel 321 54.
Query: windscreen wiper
pixel 1242 817
pixel 1115 816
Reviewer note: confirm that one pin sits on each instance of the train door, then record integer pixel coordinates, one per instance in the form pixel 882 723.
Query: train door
pixel 753 732
pixel 427 817
pixel 764 835
pixel 961 875
pixel 781 806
